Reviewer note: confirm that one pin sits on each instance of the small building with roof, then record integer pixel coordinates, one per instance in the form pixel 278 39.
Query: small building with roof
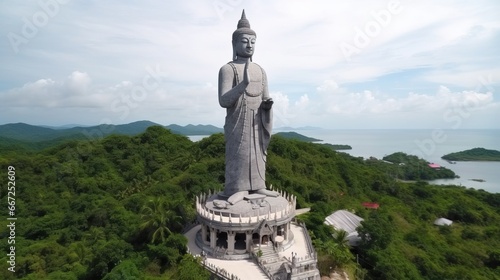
pixel 371 205
pixel 348 222
pixel 443 222
pixel 434 165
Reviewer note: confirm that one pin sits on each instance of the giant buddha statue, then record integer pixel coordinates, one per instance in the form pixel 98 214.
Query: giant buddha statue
pixel 244 93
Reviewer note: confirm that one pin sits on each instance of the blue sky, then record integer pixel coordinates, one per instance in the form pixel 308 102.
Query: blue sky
pixel 330 64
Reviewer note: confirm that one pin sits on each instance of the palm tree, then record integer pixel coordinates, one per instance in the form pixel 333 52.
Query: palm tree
pixel 338 248
pixel 82 252
pixel 94 234
pixel 340 238
pixel 158 219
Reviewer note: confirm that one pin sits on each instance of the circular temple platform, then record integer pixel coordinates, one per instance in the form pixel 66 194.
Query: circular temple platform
pixel 234 231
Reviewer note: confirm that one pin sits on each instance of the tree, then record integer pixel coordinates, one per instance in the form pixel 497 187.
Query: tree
pixel 340 238
pixel 157 219
pixel 125 270
pixel 108 255
pixel 493 260
pixel 190 269
pixel 94 234
pixel 338 248
pixel 170 252
pixel 376 232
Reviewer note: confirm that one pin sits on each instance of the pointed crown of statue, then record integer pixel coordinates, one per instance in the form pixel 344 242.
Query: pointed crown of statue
pixel 243 27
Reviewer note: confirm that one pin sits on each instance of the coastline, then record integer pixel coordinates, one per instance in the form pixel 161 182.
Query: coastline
pixel 380 142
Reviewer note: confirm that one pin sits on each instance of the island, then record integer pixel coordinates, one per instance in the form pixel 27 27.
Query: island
pixel 476 154
pixel 299 137
pixel 411 167
pixel 337 147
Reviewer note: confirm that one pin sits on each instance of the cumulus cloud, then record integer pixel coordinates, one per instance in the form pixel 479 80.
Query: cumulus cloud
pixel 123 102
pixel 328 86
pixel 423 110
pixel 75 91
pixel 111 44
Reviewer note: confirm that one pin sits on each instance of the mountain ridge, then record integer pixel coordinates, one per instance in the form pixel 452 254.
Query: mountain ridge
pixel 36 133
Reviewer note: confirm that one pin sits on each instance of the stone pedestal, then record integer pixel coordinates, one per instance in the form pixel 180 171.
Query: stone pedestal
pixel 255 220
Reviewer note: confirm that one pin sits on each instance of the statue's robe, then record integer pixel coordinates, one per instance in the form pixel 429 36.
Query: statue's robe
pixel 247 128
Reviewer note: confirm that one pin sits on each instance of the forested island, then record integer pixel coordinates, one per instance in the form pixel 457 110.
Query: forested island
pixel 337 147
pixel 115 207
pixel 299 137
pixel 410 167
pixel 476 154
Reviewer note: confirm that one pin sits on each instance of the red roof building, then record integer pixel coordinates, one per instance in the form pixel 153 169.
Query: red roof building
pixel 434 165
pixel 371 205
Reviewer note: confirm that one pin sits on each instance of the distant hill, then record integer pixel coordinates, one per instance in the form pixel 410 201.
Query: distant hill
pixel 66 126
pixel 476 154
pixel 194 129
pixel 107 129
pixel 297 136
pixel 17 136
pixel 31 133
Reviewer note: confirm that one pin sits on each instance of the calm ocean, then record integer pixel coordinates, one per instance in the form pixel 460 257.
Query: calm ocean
pixel 427 144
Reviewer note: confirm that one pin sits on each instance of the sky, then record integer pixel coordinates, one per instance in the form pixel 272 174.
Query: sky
pixel 332 64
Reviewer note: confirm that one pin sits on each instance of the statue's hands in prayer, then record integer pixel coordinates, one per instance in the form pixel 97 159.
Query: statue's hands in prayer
pixel 246 75
pixel 267 104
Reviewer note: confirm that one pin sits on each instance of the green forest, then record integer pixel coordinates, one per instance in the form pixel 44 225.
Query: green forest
pixel 116 207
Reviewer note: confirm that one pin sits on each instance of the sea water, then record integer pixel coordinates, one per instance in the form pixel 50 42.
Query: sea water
pixel 430 145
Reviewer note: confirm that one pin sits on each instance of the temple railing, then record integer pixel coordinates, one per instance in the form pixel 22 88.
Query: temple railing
pixel 278 213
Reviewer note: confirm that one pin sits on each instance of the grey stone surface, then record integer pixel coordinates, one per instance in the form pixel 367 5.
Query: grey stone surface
pixel 243 91
pixel 245 207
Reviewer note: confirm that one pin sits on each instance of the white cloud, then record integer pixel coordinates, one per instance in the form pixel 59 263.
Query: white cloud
pixel 124 102
pixel 417 110
pixel 112 44
pixel 328 85
pixel 47 93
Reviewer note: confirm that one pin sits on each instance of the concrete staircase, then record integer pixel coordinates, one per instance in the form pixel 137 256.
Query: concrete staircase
pixel 270 259
pixel 268 253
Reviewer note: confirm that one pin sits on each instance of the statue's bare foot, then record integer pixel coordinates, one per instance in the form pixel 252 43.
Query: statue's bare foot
pixel 268 192
pixel 221 204
pixel 237 197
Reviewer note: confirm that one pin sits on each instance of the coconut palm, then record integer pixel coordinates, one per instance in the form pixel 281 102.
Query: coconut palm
pixel 94 234
pixel 158 219
pixel 340 238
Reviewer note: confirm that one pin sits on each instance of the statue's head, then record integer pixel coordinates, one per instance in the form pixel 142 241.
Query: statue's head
pixel 243 39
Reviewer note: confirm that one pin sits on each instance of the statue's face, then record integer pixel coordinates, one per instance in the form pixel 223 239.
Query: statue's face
pixel 245 45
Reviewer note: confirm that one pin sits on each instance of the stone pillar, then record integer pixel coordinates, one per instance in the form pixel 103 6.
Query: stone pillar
pixel 275 233
pixel 204 234
pixel 248 241
pixel 230 242
pixel 213 238
pixel 287 231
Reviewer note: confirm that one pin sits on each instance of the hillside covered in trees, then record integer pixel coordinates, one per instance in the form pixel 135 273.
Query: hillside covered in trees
pixel 115 208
